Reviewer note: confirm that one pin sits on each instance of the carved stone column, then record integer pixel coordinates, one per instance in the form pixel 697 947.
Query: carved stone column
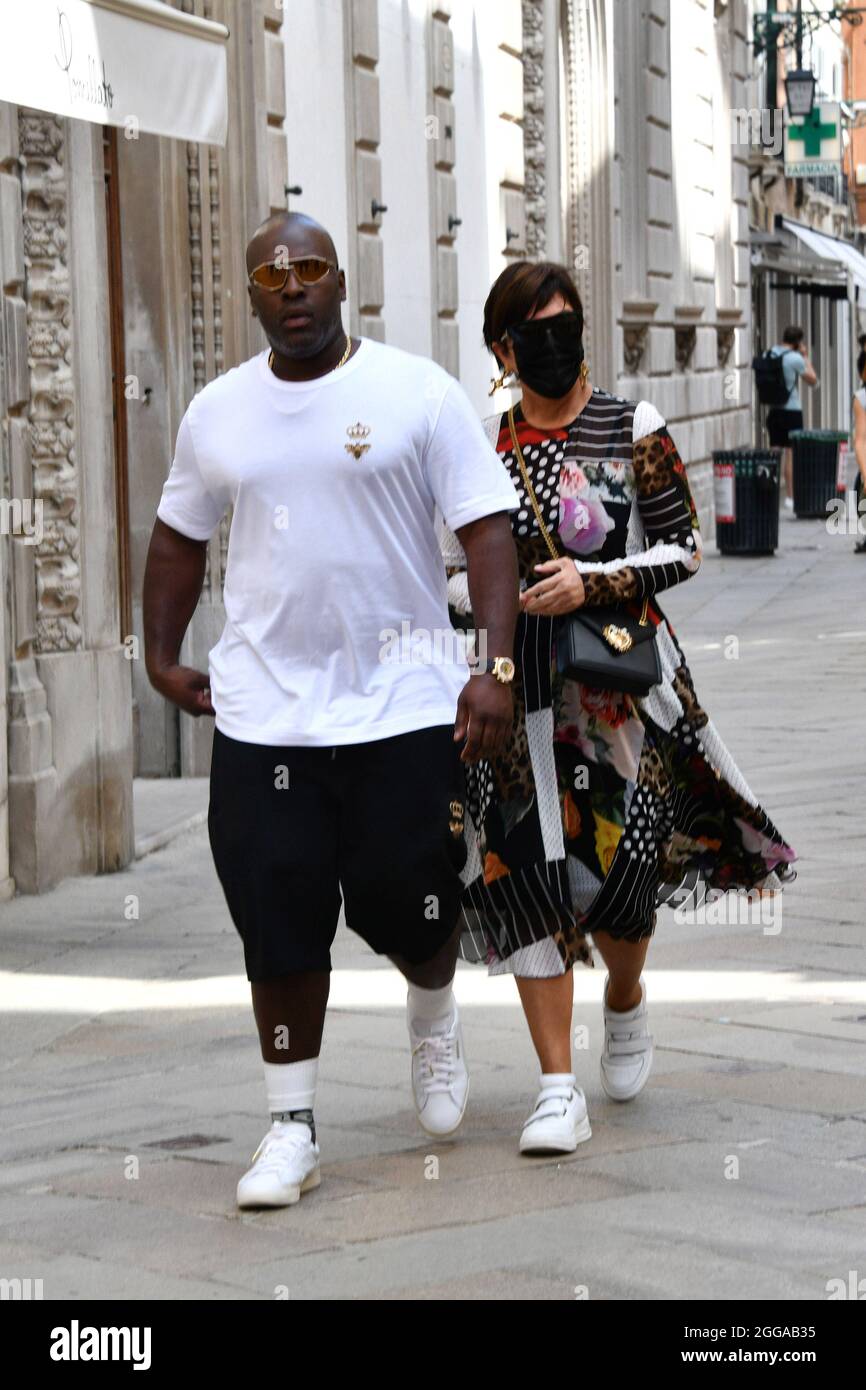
pixel 443 190
pixel 39 400
pixel 361 21
pixel 69 733
pixel 16 555
pixel 52 403
pixel 590 123
pixel 534 152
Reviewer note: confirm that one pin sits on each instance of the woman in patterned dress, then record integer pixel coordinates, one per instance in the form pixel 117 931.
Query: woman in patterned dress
pixel 603 804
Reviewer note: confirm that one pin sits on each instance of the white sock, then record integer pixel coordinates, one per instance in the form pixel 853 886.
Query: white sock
pixel 556 1079
pixel 291 1085
pixel 428 1004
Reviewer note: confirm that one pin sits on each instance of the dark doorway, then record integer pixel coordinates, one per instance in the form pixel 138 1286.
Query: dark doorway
pixel 118 376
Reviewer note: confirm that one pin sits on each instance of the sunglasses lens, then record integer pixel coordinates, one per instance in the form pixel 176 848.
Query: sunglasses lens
pixel 269 277
pixel 310 270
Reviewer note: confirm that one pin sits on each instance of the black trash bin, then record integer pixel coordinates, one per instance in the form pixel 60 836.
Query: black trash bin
pixel 746 490
pixel 815 462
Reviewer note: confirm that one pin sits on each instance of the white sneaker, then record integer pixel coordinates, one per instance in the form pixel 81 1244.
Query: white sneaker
pixel 440 1081
pixel 627 1058
pixel 558 1123
pixel 285 1164
pixel 789 504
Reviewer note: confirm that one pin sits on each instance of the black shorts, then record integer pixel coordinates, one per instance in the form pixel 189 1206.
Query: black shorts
pixel 290 827
pixel 780 423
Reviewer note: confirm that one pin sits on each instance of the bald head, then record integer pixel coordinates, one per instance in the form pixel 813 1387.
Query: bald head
pixel 301 316
pixel 296 232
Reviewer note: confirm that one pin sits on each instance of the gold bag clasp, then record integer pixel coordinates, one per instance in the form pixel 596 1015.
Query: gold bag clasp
pixel 618 637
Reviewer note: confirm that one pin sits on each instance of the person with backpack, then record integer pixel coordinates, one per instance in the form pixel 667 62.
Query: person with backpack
pixel 777 374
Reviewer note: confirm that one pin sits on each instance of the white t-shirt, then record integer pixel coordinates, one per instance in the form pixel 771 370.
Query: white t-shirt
pixel 337 627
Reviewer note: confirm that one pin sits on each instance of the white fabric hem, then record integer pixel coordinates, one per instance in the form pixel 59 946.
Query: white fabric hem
pixel 338 738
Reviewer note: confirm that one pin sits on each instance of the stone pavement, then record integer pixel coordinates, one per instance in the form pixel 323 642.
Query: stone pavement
pixel 132 1092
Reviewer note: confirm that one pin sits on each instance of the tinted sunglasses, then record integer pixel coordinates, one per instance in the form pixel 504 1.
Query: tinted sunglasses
pixel 272 275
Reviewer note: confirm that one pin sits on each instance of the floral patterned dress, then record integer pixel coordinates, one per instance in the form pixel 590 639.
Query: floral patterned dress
pixel 603 804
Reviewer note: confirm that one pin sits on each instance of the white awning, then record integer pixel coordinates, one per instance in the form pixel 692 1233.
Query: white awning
pixel 832 248
pixel 137 64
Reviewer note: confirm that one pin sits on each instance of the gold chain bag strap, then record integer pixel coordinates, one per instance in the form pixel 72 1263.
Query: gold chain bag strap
pixel 602 647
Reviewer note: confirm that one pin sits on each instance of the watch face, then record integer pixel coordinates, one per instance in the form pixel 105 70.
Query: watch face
pixel 503 668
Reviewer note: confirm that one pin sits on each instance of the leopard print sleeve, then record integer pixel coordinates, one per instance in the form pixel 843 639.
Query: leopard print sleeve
pixel 670 525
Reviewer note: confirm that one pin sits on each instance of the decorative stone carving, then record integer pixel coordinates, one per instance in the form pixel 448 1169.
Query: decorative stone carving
pixel 684 345
pixel 52 408
pixel 634 338
pixel 725 344
pixel 533 128
pixel 213 164
pixel 193 185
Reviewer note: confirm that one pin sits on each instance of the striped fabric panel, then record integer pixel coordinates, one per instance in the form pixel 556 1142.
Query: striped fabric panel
pixel 519 909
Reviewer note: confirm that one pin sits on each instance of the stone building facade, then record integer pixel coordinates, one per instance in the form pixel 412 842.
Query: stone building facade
pixel 123 292
pixel 437 140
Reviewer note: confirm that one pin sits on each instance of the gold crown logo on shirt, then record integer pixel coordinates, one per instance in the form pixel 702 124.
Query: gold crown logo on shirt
pixel 357 433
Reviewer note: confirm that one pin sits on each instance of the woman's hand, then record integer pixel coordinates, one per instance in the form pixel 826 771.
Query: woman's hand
pixel 561 590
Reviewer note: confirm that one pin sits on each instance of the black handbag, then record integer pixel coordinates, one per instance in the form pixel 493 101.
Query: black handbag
pixel 608 647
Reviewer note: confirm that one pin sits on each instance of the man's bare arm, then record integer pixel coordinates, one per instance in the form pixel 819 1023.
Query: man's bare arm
pixel 173 579
pixel 485 712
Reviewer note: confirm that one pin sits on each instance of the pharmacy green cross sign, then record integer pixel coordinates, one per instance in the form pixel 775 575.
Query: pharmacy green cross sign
pixel 813 145
pixel 813 132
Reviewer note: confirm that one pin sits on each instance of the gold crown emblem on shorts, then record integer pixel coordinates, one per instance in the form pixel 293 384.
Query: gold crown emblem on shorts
pixel 357 434
pixel 455 825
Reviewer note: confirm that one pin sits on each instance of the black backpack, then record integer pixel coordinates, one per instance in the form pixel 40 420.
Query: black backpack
pixel 770 377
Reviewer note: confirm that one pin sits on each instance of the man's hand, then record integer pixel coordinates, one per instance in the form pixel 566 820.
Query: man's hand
pixel 185 687
pixel 560 592
pixel 485 713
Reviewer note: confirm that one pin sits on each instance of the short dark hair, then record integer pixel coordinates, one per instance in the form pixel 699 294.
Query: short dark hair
pixel 793 335
pixel 861 363
pixel 523 287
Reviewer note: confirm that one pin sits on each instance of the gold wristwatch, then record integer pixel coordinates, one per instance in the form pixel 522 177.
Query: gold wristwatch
pixel 502 667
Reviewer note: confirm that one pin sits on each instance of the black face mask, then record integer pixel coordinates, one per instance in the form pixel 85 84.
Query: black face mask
pixel 548 353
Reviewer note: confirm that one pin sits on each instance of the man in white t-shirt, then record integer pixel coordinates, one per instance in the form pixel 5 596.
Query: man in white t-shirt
pixel 343 706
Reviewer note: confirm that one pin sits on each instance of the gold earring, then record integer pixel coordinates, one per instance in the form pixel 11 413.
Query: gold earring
pixel 497 381
pixel 584 372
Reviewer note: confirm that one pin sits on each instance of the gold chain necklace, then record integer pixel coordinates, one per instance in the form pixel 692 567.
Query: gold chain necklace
pixel 333 369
